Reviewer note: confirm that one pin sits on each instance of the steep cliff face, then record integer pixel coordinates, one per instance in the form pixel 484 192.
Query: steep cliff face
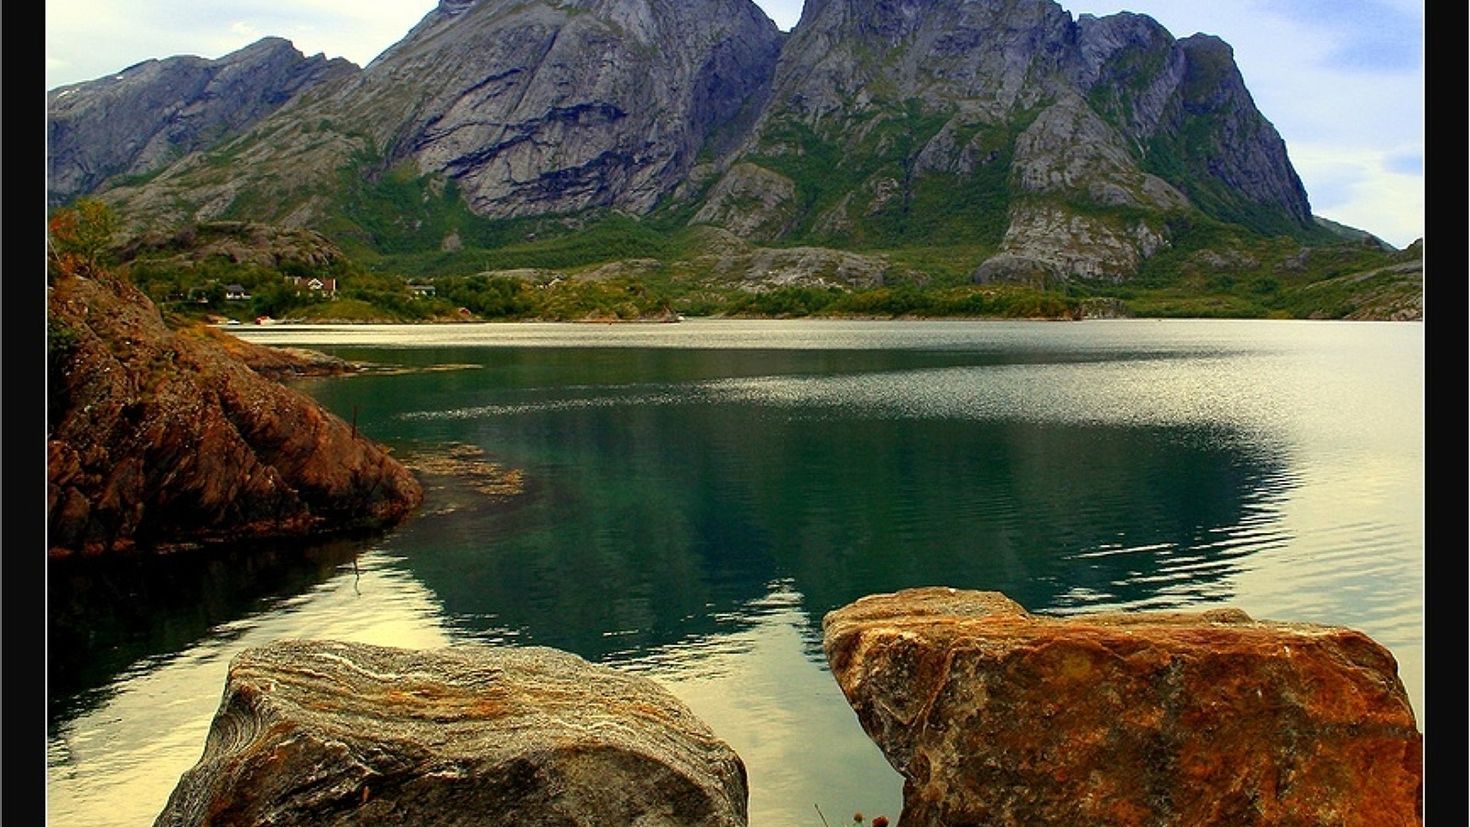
pixel 163 440
pixel 558 106
pixel 1064 144
pixel 147 116
pixel 527 108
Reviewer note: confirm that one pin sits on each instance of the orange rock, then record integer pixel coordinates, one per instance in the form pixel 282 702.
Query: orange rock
pixel 162 440
pixel 995 716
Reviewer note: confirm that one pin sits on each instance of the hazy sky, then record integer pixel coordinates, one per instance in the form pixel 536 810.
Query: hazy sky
pixel 1342 80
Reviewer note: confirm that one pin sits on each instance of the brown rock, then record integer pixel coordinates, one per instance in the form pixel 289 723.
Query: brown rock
pixel 326 733
pixel 998 717
pixel 163 440
pixel 274 362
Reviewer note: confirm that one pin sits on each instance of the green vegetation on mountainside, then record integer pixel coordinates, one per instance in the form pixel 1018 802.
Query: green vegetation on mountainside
pixel 867 195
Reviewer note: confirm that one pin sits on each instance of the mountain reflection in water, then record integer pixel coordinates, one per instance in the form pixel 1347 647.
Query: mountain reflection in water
pixel 691 500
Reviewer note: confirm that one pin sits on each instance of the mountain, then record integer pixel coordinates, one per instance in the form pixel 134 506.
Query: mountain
pixel 147 116
pixel 1065 143
pixel 909 141
pixel 520 108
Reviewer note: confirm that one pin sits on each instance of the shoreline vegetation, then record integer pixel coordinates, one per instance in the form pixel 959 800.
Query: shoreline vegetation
pixel 223 272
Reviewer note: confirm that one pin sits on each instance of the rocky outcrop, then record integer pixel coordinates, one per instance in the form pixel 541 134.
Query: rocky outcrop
pixel 751 201
pixel 995 716
pixel 293 251
pixel 274 362
pixel 147 116
pixel 1394 293
pixel 1047 245
pixel 325 733
pixel 162 440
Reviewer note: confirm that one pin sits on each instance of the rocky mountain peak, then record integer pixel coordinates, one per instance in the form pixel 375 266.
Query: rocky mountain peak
pixel 560 106
pixel 142 119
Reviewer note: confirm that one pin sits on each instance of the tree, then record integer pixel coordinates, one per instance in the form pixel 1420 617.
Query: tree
pixel 78 238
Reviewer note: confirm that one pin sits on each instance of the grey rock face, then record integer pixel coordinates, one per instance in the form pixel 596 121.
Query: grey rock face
pixel 1134 67
pixel 531 108
pixel 750 201
pixel 1247 155
pixel 326 733
pixel 1068 149
pixel 1097 110
pixel 149 115
pixel 558 106
pixel 846 54
pixel 1046 245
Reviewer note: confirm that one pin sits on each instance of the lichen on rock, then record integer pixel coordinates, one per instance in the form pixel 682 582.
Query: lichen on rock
pixel 995 716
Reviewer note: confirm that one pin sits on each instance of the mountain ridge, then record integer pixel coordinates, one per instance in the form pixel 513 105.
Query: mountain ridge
pixel 1033 147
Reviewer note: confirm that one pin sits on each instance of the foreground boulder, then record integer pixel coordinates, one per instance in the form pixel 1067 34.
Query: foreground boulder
pixel 326 733
pixel 163 440
pixel 998 717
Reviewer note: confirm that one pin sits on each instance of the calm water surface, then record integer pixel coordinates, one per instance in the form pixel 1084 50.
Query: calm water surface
pixel 698 495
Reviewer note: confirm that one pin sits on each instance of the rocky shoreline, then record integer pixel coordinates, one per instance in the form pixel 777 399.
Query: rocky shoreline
pixel 993 715
pixel 165 440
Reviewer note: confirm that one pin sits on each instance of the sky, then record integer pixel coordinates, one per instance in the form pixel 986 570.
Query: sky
pixel 1341 80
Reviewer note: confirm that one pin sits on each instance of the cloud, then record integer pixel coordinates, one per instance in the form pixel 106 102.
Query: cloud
pixel 1361 187
pixel 1370 34
pixel 1405 163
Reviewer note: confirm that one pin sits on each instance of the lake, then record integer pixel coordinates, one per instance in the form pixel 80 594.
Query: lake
pixel 695 496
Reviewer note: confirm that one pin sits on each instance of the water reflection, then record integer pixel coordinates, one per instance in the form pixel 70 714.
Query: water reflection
pixel 115 759
pixel 691 512
pixel 779 709
pixel 110 614
pixel 625 530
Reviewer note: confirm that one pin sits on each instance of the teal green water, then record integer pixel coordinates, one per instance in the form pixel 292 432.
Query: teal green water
pixel 698 495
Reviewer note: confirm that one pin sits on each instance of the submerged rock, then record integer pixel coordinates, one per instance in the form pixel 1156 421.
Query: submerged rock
pixel 998 717
pixel 165 440
pixel 326 733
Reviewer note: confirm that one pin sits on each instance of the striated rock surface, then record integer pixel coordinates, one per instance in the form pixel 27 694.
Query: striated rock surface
pixel 326 733
pixel 158 439
pixel 998 717
pixel 147 116
pixel 529 108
